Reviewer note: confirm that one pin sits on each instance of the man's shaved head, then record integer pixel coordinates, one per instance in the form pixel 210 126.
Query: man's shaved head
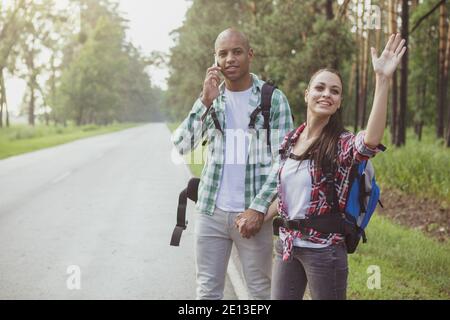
pixel 231 33
pixel 234 55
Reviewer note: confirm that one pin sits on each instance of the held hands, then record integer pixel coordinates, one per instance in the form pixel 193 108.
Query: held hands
pixel 391 56
pixel 249 222
pixel 211 86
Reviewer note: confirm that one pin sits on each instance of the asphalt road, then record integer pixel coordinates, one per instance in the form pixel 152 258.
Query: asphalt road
pixel 92 219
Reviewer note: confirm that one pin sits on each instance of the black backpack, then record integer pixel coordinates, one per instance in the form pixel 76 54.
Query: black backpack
pixel 266 102
pixel 191 191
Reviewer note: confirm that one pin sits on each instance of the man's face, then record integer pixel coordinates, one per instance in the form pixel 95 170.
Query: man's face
pixel 233 56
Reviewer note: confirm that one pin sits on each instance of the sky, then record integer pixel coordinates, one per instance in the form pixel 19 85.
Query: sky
pixel 150 22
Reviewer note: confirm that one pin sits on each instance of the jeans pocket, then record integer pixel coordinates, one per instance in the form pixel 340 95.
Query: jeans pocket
pixel 279 246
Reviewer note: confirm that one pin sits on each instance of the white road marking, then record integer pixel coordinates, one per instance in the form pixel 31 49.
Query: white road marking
pixel 62 177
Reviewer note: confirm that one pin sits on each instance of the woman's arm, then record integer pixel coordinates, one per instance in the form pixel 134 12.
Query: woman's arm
pixel 272 211
pixel 384 68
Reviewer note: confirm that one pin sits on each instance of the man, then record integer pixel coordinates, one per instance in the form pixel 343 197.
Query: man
pixel 233 194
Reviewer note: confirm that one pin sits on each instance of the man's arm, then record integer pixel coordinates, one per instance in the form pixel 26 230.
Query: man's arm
pixel 191 131
pixel 250 221
pixel 281 125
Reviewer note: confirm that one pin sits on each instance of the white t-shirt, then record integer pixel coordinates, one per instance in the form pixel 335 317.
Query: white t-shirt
pixel 296 186
pixel 231 195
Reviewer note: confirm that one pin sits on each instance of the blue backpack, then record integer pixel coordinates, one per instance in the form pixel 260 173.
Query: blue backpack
pixel 362 199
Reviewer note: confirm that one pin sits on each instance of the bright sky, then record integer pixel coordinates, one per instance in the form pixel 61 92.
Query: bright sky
pixel 150 23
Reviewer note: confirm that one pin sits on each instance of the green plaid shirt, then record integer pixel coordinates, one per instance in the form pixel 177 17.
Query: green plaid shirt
pixel 261 163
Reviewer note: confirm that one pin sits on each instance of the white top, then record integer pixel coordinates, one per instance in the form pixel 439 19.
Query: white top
pixel 296 185
pixel 231 195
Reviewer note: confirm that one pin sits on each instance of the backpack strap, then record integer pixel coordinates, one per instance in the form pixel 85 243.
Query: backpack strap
pixel 266 102
pixel 329 172
pixel 215 120
pixel 190 192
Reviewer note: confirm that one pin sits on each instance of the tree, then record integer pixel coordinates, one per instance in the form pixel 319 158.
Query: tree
pixel 11 26
pixel 35 43
pixel 394 107
pixel 442 85
pixel 90 84
pixel 402 112
pixel 285 35
pixel 446 76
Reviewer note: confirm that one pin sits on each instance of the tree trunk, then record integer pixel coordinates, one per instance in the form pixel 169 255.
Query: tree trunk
pixel 446 72
pixel 401 139
pixel 351 83
pixel 31 106
pixel 364 78
pixel 329 9
pixel 343 9
pixel 2 98
pixel 4 101
pixel 418 117
pixel 32 87
pixel 359 51
pixel 357 92
pixel 394 107
pixel 441 77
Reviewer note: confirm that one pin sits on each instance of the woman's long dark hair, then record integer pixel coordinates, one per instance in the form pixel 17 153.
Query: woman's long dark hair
pixel 323 150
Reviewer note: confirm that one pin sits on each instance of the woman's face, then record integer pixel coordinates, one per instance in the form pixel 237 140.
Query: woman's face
pixel 324 94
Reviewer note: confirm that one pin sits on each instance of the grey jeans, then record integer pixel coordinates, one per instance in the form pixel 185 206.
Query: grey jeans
pixel 325 270
pixel 214 237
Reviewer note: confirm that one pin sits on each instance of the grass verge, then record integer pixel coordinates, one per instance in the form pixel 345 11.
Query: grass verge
pixel 19 139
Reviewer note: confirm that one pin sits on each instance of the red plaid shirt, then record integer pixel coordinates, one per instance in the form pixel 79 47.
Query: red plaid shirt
pixel 351 150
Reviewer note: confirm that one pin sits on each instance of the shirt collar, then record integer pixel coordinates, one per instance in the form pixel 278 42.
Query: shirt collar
pixel 256 85
pixel 297 133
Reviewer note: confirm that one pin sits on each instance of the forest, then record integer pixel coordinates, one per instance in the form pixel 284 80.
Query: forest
pixel 77 63
pixel 292 39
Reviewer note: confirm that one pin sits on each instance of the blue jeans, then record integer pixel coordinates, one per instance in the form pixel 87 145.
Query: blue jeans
pixel 214 236
pixel 325 270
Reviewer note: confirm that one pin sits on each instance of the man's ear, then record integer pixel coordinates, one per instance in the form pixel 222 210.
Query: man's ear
pixel 251 54
pixel 306 96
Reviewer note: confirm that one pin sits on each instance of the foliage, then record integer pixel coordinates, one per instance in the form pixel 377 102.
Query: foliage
pixel 90 74
pixel 419 168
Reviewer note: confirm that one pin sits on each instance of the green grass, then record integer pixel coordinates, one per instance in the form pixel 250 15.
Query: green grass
pixel 19 139
pixel 412 266
pixel 419 168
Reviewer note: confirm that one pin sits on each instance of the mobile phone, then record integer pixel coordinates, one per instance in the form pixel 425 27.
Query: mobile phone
pixel 216 64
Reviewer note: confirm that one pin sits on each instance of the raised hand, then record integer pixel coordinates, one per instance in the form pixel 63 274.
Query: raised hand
pixel 391 56
pixel 211 86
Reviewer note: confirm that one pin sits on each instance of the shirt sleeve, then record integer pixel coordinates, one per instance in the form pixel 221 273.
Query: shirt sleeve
pixel 281 124
pixel 191 131
pixel 353 149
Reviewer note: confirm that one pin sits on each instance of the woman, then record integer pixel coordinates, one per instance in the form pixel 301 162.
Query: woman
pixel 305 255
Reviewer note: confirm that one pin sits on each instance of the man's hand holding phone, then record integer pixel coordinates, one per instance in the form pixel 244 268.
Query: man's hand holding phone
pixel 211 84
